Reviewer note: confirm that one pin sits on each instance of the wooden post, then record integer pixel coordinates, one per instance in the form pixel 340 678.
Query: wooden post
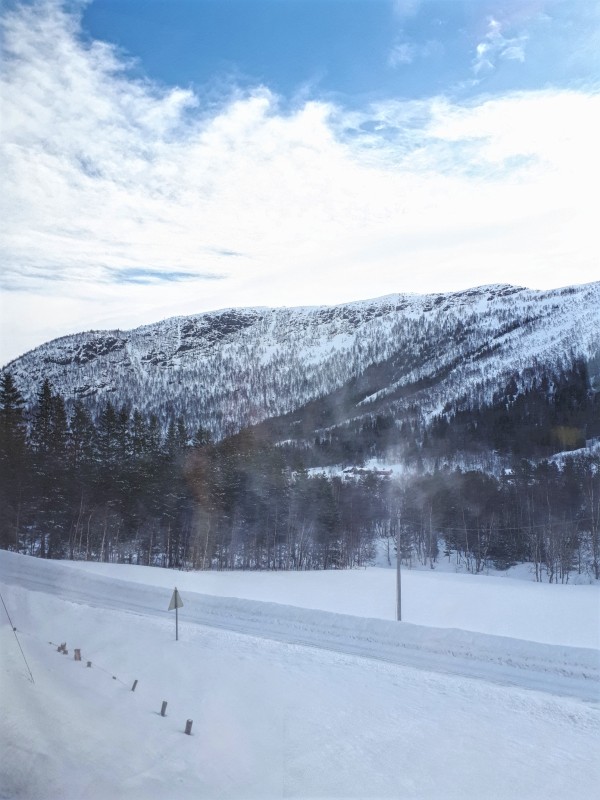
pixel 77 654
pixel 188 726
pixel 398 577
pixel 163 710
pixel 134 685
pixel 89 663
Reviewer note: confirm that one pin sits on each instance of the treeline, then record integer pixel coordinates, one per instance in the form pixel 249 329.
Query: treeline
pixel 538 413
pixel 544 514
pixel 120 489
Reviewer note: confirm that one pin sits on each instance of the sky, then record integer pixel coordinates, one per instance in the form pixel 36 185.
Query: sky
pixel 161 158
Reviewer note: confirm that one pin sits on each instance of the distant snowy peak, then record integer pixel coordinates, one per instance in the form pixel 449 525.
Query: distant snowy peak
pixel 229 368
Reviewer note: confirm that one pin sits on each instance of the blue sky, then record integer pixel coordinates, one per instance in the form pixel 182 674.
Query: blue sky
pixel 353 50
pixel 166 157
pixel 334 49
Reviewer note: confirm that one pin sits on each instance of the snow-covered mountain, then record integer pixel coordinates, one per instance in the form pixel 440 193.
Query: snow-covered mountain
pixel 227 369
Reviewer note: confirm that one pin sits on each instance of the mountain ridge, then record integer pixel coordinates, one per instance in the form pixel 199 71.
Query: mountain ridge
pixel 226 369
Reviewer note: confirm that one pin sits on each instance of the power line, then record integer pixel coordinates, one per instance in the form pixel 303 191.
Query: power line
pixel 522 529
pixel 14 630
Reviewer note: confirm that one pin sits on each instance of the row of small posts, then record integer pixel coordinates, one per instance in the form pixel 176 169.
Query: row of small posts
pixel 62 648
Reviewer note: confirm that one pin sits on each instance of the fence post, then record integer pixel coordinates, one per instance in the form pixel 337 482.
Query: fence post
pixel 134 685
pixel 77 654
pixel 188 726
pixel 89 663
pixel 163 710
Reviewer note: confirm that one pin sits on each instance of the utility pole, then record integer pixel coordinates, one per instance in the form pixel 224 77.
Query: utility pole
pixel 398 579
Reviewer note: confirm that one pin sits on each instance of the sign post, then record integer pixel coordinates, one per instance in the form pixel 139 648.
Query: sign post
pixel 176 603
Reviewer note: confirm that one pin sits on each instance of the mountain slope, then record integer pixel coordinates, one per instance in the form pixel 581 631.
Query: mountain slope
pixel 227 369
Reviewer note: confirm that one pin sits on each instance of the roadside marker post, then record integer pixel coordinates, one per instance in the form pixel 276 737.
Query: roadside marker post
pixel 176 603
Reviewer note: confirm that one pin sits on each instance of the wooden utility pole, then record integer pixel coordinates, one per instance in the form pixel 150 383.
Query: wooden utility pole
pixel 398 579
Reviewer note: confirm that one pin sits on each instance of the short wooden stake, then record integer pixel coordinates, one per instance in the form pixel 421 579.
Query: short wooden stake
pixel 77 654
pixel 134 685
pixel 188 726
pixel 89 663
pixel 163 710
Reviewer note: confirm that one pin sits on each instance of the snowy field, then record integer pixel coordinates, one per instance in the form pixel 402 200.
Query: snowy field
pixel 322 696
pixel 503 606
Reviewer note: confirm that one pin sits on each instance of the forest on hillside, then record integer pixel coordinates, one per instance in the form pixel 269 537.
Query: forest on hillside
pixel 120 488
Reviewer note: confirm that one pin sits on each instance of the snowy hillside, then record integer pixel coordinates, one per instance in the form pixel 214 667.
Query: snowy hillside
pixel 226 369
pixel 310 704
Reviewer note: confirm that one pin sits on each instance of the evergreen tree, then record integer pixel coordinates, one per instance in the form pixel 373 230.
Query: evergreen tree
pixel 82 436
pixel 41 430
pixel 49 474
pixel 13 462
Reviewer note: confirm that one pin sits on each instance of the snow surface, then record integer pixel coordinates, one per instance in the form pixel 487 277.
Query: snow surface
pixel 555 613
pixel 274 718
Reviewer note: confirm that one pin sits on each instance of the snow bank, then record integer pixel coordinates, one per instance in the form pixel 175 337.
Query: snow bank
pixel 503 606
pixel 556 668
pixel 271 719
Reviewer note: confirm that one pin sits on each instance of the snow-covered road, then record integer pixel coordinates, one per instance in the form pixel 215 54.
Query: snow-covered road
pixel 568 671
pixel 274 718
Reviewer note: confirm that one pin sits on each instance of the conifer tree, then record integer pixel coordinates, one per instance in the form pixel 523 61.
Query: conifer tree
pixel 41 431
pixel 12 421
pixel 81 435
pixel 13 461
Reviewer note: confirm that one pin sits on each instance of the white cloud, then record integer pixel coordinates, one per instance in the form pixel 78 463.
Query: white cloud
pixel 104 174
pixel 496 47
pixel 405 52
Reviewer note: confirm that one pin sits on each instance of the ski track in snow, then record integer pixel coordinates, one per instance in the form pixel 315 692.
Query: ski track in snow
pixel 567 671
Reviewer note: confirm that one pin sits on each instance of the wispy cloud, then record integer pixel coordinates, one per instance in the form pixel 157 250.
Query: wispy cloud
pixel 404 52
pixel 142 276
pixel 406 8
pixel 122 192
pixel 495 46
